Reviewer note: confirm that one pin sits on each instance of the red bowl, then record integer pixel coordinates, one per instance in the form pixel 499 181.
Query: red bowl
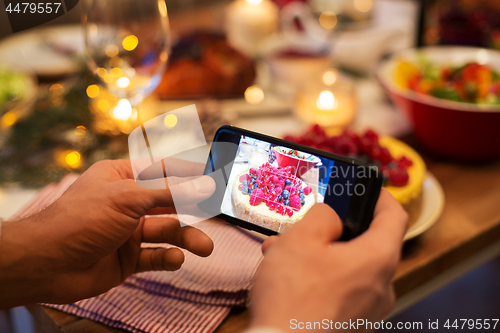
pixel 452 129
pixel 299 166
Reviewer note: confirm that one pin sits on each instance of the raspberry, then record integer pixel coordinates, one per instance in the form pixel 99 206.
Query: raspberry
pixel 278 190
pixel 398 177
pixel 370 134
pixel 256 197
pixel 365 145
pixel 307 190
pixel 274 179
pixel 404 162
pixel 318 130
pixel 376 153
pixel 244 177
pixel 346 146
pixel 295 202
pixel 385 156
pixel 252 171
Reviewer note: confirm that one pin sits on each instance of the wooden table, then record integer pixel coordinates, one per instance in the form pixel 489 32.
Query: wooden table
pixel 469 225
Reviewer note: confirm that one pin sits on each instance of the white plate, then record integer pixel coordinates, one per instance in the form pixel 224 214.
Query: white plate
pixel 432 207
pixel 32 49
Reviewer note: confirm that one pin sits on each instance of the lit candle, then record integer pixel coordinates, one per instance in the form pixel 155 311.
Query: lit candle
pixel 248 22
pixel 327 103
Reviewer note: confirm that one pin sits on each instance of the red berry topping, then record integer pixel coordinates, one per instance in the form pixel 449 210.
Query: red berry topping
pixel 274 179
pixel 404 162
pixel 365 145
pixel 256 197
pixel 370 134
pixel 244 177
pixel 385 156
pixel 295 202
pixel 289 212
pixel 307 190
pixel 376 153
pixel 398 177
pixel 240 187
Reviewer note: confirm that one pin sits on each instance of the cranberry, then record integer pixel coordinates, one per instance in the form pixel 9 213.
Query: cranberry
pixel 289 212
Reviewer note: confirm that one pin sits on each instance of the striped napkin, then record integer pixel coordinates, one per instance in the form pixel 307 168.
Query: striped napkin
pixel 195 298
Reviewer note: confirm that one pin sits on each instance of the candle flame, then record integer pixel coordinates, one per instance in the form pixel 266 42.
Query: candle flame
pixel 326 100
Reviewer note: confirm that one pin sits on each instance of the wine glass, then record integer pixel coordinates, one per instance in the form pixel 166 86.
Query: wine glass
pixel 128 44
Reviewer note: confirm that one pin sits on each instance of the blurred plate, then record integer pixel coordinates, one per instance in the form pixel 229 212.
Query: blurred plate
pixel 430 211
pixel 49 51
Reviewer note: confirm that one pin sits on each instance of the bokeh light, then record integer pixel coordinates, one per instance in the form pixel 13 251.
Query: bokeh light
pixel 254 94
pixel 328 20
pixel 123 110
pixel 170 120
pixel 326 100
pixel 93 91
pixel 363 5
pixel 73 159
pixel 130 42
pixel 111 50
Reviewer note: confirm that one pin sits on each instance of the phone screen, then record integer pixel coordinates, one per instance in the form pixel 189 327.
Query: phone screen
pixel 273 186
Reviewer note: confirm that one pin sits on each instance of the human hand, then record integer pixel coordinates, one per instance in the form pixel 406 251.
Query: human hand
pixel 307 276
pixel 89 240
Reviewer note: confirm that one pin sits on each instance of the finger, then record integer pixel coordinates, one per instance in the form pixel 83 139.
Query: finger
pixel 320 224
pixel 161 211
pixel 390 222
pixel 141 200
pixel 168 230
pixel 168 167
pixel 160 259
pixel 182 168
pixel 268 243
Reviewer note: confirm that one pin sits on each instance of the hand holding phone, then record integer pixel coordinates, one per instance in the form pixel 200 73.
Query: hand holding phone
pixel 269 184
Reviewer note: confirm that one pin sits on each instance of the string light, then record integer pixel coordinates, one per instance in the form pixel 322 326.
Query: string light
pixel 123 110
pixel 111 50
pixel 130 42
pixel 92 91
pixel 73 159
pixel 8 119
pixel 123 82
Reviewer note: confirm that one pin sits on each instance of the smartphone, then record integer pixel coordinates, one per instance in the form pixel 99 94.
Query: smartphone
pixel 266 184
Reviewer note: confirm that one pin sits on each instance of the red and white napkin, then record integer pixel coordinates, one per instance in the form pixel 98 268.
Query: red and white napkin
pixel 195 298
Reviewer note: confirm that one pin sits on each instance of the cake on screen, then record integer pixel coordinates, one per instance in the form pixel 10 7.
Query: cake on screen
pixel 272 186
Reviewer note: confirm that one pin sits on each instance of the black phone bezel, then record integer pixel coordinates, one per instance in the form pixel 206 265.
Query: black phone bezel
pixel 360 210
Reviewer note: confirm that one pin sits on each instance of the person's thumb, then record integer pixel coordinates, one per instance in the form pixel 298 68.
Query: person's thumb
pixel 321 224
